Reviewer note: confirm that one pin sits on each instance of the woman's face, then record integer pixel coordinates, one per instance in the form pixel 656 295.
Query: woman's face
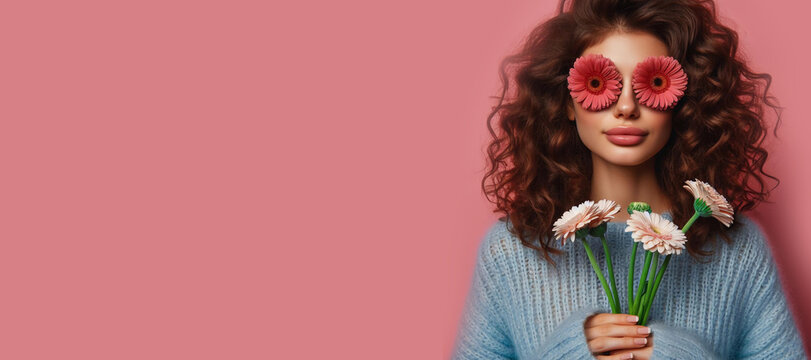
pixel 626 50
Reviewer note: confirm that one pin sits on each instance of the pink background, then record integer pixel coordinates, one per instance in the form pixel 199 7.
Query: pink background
pixel 238 180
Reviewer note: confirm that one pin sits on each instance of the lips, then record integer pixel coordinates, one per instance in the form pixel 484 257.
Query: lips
pixel 626 136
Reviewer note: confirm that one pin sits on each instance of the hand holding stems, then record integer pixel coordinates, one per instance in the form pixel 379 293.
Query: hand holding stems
pixel 617 334
pixel 643 353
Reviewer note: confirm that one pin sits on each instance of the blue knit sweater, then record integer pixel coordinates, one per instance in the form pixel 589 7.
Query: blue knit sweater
pixel 732 307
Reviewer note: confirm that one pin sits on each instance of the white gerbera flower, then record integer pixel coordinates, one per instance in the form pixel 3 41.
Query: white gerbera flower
pixel 656 233
pixel 576 218
pixel 719 207
pixel 605 211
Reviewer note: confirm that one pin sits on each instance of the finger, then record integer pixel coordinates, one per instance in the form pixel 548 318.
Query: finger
pixel 624 356
pixel 616 331
pixel 603 344
pixel 644 353
pixel 605 318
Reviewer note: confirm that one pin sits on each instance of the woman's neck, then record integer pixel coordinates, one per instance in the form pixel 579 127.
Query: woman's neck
pixel 625 184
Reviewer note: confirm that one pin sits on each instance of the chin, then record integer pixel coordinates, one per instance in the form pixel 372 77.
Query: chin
pixel 626 159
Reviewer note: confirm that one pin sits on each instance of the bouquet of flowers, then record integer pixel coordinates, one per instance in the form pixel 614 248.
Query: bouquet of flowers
pixel 659 236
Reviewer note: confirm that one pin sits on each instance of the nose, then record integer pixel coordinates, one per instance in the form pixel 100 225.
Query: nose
pixel 627 107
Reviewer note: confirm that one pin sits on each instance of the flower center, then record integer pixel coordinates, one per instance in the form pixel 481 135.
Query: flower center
pixel 659 83
pixel 595 84
pixel 662 234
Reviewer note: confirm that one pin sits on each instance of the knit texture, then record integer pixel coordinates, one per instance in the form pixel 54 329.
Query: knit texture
pixel 729 306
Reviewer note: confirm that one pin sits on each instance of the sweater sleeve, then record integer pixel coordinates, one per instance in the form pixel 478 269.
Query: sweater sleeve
pixel 483 332
pixel 675 343
pixel 769 331
pixel 568 340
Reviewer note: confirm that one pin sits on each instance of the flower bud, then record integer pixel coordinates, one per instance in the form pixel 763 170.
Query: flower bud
pixel 638 206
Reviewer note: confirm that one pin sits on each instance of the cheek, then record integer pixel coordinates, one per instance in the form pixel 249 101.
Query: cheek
pixel 588 121
pixel 588 128
pixel 662 126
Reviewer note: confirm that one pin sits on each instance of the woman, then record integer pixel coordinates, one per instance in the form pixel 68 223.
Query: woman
pixel 534 298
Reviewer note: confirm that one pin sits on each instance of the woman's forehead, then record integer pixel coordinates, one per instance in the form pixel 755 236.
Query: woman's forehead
pixel 628 49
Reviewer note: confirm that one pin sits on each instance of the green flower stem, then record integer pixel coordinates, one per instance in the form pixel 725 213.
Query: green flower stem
pixel 690 222
pixel 638 297
pixel 644 301
pixel 649 300
pixel 655 288
pixel 649 292
pixel 611 273
pixel 600 276
pixel 631 277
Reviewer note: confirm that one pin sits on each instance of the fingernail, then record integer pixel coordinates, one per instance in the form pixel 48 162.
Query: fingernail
pixel 641 341
pixel 633 318
pixel 643 330
pixel 627 356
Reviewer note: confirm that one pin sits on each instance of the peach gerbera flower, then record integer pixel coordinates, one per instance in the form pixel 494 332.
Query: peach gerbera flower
pixel 720 207
pixel 574 219
pixel 605 210
pixel 594 82
pixel 659 82
pixel 656 233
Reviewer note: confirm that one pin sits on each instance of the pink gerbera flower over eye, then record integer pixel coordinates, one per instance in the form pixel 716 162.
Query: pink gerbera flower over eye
pixel 594 82
pixel 659 82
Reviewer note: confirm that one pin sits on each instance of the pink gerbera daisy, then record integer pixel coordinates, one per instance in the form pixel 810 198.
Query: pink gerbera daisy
pixel 594 82
pixel 656 233
pixel 576 218
pixel 659 82
pixel 605 210
pixel 720 207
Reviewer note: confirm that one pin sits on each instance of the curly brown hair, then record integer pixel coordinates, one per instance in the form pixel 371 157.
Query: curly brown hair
pixel 537 167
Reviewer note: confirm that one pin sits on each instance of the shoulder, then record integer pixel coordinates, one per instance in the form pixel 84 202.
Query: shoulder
pixel 498 242
pixel 748 236
pixel 749 248
pixel 500 246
